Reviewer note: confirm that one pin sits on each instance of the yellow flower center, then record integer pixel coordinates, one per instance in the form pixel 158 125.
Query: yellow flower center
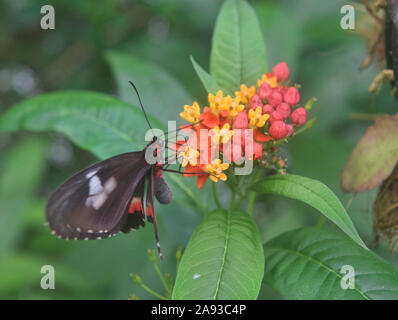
pixel 256 118
pixel 215 169
pixel 222 135
pixel 270 79
pixel 191 113
pixel 245 93
pixel 190 156
pixel 216 102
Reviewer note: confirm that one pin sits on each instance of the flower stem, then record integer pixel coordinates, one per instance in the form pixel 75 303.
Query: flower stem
pixel 162 279
pixel 150 291
pixel 363 116
pixel 252 199
pixel 321 222
pixel 215 195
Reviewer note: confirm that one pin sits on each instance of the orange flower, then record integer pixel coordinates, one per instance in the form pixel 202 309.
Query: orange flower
pixel 256 118
pixel 216 102
pixel 260 137
pixel 191 113
pixel 216 169
pixel 197 171
pixel 222 135
pixel 245 93
pixel 208 118
pixel 268 78
pixel 188 156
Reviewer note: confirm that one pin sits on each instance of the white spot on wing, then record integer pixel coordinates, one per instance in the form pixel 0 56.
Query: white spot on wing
pixel 97 193
pixel 196 276
pixel 110 185
pixel 95 186
pixel 91 173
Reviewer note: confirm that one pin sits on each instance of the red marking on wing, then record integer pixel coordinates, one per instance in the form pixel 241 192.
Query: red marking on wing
pixel 149 211
pixel 135 205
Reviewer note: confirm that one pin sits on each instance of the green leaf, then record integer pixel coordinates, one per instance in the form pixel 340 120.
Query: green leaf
pixel 161 93
pixel 314 193
pixel 208 81
pixel 223 259
pixel 96 122
pixel 238 54
pixel 20 272
pixel 20 173
pixel 374 157
pixel 307 264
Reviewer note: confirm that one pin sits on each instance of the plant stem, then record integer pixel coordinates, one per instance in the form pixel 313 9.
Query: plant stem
pixel 363 116
pixel 164 282
pixel 232 200
pixel 321 222
pixel 150 291
pixel 252 199
pixel 252 196
pixel 215 195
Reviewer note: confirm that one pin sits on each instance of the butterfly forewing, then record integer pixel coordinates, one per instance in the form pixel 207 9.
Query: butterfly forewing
pixel 94 203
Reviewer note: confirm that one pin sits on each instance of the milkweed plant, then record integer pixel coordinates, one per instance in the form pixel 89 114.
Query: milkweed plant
pixel 228 152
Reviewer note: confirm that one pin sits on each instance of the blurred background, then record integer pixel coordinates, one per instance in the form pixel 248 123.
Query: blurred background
pixel 306 34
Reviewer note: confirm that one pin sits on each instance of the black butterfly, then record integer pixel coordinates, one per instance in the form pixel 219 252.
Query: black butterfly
pixel 108 197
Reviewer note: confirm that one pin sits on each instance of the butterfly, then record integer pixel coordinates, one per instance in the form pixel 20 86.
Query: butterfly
pixel 109 197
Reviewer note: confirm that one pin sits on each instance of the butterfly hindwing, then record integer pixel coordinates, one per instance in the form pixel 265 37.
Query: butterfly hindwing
pixel 150 206
pixel 135 210
pixel 94 203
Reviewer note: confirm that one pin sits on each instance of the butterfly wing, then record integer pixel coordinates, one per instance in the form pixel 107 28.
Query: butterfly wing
pixel 86 205
pixel 135 211
pixel 150 206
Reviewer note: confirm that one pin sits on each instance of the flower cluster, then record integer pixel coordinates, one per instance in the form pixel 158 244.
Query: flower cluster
pixel 270 110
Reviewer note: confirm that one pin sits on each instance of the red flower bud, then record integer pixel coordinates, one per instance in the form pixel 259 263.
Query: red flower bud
pixel 255 102
pixel 264 91
pixel 268 109
pixel 275 116
pixel 299 116
pixel 278 130
pixel 281 164
pixel 275 98
pixel 290 130
pixel 292 96
pixel 284 110
pixel 241 121
pixel 281 71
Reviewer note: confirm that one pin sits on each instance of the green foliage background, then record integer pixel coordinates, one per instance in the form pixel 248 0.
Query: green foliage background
pixel 93 39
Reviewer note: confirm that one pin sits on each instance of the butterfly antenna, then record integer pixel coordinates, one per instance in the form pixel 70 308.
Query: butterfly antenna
pixel 142 107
